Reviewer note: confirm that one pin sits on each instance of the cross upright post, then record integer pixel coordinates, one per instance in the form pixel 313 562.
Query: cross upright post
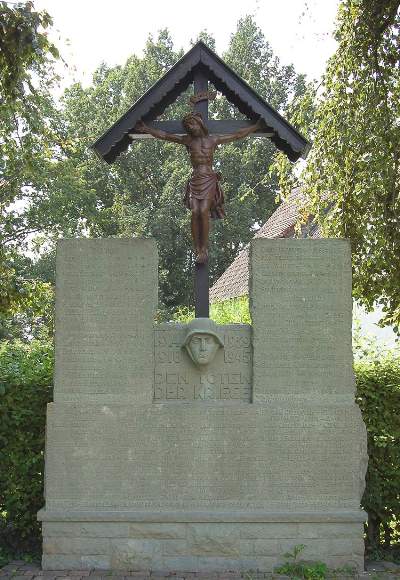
pixel 200 85
pixel 201 274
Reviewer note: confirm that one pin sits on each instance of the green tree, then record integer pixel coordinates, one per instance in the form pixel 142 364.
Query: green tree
pixel 27 133
pixel 141 193
pixel 28 139
pixel 352 176
pixel 26 301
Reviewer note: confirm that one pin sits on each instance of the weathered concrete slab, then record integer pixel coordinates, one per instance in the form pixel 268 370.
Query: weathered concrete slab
pixel 106 297
pixel 301 305
pixel 203 456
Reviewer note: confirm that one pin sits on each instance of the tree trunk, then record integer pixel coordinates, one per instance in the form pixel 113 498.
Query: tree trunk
pixel 373 531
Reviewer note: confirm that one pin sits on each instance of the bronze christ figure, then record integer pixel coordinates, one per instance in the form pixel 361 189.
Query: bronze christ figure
pixel 204 195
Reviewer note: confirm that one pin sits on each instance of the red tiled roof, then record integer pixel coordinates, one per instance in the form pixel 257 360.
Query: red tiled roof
pixel 283 218
pixel 235 280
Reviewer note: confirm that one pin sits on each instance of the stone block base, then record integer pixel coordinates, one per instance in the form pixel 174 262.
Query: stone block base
pixel 198 542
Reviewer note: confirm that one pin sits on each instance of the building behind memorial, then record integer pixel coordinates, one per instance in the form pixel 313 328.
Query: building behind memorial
pixel 234 282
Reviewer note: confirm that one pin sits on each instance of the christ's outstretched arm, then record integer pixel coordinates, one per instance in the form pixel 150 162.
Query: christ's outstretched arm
pixel 221 139
pixel 143 128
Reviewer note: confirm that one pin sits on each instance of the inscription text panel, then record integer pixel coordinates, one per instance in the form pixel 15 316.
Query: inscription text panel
pixel 227 377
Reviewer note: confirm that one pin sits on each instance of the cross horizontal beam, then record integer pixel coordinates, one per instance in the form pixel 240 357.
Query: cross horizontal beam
pixel 214 127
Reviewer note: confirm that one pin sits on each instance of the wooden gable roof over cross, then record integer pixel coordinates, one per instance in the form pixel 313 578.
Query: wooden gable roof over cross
pixel 198 66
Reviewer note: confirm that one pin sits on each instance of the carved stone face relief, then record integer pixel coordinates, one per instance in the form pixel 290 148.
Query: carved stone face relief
pixel 202 341
pixel 202 348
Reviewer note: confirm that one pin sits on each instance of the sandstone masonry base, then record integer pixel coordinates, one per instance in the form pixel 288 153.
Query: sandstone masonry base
pixel 197 546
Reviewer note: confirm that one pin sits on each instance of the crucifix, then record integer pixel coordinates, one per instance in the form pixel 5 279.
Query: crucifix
pixel 204 195
pixel 201 135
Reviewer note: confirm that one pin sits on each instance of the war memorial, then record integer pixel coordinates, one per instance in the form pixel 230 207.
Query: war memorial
pixel 199 446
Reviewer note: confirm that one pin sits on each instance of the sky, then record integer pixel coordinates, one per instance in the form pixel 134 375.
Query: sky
pixel 299 31
pixel 89 32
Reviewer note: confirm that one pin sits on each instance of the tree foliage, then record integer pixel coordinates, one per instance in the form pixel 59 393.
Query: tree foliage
pixel 23 48
pixel 26 303
pixel 28 141
pixel 352 176
pixel 26 107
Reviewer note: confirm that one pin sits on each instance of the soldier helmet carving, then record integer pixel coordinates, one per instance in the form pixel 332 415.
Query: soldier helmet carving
pixel 202 340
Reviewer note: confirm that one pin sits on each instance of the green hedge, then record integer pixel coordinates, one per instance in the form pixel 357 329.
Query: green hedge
pixel 227 312
pixel 378 395
pixel 26 371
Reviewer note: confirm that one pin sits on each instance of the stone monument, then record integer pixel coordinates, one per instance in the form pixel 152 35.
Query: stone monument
pixel 203 447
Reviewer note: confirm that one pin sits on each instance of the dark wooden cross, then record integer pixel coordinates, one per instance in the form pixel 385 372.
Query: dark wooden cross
pixel 199 66
pixel 201 276
pixel 199 102
pixel 201 273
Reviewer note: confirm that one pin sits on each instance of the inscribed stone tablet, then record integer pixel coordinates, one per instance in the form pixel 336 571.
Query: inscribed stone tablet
pixel 105 306
pixel 227 377
pixel 301 311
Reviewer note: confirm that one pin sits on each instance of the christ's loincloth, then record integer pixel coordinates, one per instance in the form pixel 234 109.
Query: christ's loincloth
pixel 206 186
